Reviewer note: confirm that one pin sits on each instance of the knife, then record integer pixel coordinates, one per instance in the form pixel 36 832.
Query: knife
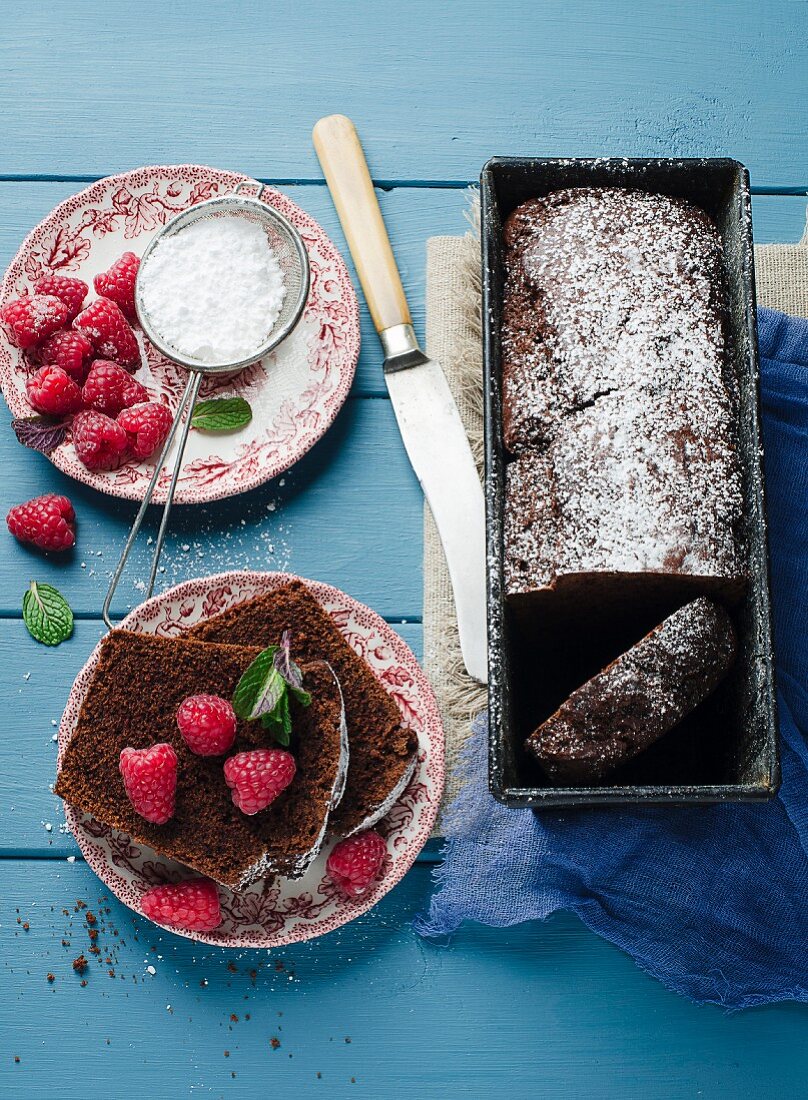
pixel 430 425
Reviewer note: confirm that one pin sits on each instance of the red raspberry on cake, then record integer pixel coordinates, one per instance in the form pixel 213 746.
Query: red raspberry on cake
pixel 71 291
pixel 53 392
pixel 150 780
pixel 100 442
pixel 256 778
pixel 192 905
pixel 207 724
pixel 356 862
pixel 105 326
pixel 47 522
pixel 110 389
pixel 34 318
pixel 67 349
pixel 118 284
pixel 147 424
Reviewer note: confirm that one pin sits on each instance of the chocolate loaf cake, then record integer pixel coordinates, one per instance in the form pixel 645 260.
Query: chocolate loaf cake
pixel 637 698
pixel 383 751
pixel 139 682
pixel 618 403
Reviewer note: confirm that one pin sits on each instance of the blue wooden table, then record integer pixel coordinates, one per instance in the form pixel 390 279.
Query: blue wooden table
pixel 92 88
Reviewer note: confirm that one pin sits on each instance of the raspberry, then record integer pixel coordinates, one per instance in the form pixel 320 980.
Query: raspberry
pixel 109 388
pixel 33 318
pixel 256 778
pixel 355 863
pixel 53 392
pixel 150 779
pixel 71 291
pixel 100 443
pixel 118 284
pixel 69 350
pixel 147 425
pixel 192 905
pixel 207 724
pixel 108 331
pixel 47 522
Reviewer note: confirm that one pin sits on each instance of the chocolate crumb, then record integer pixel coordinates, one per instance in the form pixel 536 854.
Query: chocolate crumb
pixel 233 1018
pixel 83 981
pixel 80 964
pixel 90 917
pixel 51 977
pixel 25 926
pixel 231 966
pixel 227 1054
pixel 274 1042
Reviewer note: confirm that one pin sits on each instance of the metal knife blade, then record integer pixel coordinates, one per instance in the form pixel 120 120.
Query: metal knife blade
pixel 438 448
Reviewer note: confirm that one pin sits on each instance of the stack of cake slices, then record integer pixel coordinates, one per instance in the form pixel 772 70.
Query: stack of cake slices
pixel 353 756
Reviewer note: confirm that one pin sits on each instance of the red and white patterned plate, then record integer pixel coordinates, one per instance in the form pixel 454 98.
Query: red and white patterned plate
pixel 279 911
pixel 295 392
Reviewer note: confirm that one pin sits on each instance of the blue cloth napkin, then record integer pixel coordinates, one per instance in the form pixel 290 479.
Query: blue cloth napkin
pixel 712 901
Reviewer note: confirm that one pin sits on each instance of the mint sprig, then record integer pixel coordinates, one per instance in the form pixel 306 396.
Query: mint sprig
pixel 221 414
pixel 262 693
pixel 47 614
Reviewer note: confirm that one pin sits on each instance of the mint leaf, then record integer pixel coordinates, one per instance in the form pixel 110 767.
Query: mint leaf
pixel 39 433
pixel 263 691
pixel 221 414
pixel 47 614
pixel 284 663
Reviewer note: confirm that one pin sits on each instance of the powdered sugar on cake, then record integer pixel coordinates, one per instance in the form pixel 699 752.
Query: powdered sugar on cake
pixel 615 396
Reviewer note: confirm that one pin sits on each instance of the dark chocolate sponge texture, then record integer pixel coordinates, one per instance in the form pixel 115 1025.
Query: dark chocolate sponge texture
pixel 617 399
pixel 382 750
pixel 638 697
pixel 139 682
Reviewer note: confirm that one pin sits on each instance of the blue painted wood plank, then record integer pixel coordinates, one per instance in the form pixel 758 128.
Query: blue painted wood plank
pixel 435 88
pixel 36 684
pixel 412 214
pixel 339 516
pixel 538 1010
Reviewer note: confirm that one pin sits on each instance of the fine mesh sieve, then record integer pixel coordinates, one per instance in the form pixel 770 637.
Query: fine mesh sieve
pixel 293 259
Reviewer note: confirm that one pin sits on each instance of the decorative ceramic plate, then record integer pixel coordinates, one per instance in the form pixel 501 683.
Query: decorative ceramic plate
pixel 295 392
pixel 277 911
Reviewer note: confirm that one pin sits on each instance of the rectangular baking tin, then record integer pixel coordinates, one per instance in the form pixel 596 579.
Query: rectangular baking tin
pixel 730 752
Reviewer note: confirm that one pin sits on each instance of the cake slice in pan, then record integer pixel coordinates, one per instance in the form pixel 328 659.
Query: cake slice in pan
pixel 383 751
pixel 139 682
pixel 638 697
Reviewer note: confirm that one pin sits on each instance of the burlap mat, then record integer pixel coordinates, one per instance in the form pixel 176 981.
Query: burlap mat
pixel 454 338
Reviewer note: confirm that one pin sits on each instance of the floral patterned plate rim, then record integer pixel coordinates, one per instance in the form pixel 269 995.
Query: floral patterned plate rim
pixel 276 912
pixel 296 392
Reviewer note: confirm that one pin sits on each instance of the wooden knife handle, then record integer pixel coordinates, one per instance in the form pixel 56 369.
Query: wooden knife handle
pixel 346 172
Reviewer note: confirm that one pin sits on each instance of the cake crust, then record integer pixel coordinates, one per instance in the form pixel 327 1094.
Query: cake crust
pixel 618 402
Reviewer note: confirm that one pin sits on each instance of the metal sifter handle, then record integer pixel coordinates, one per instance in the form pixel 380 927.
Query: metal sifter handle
pixel 186 405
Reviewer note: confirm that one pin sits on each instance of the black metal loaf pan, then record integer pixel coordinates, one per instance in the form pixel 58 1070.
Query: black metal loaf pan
pixel 726 750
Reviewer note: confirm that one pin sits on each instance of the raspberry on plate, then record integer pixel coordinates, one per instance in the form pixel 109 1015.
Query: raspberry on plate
pixel 71 291
pixel 109 388
pixel 118 284
pixel 100 442
pixel 192 905
pixel 256 778
pixel 67 349
pixel 53 392
pixel 207 724
pixel 47 521
pixel 147 424
pixel 356 862
pixel 33 318
pixel 150 779
pixel 105 326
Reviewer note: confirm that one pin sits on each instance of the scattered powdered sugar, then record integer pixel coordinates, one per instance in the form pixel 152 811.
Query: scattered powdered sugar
pixel 616 401
pixel 215 289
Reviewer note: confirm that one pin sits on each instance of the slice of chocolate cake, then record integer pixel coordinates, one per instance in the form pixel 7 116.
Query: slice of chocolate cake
pixel 139 682
pixel 383 751
pixel 638 697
